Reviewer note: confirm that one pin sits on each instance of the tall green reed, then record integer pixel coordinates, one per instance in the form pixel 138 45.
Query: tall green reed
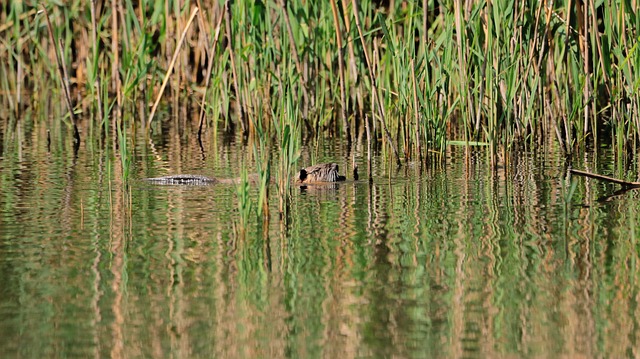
pixel 505 73
pixel 287 129
pixel 124 153
pixel 261 151
pixel 245 205
pixel 63 77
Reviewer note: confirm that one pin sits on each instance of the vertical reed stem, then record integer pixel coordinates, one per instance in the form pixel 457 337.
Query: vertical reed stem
pixel 19 80
pixel 353 70
pixel 210 68
pixel 96 50
pixel 425 25
pixel 368 128
pixel 171 64
pixel 294 52
pixel 461 60
pixel 115 67
pixel 373 82
pixel 587 66
pixel 343 98
pixel 227 15
pixel 64 80
pixel 416 111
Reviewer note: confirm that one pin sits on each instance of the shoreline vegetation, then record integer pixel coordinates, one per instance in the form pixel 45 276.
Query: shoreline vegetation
pixel 410 77
pixel 409 80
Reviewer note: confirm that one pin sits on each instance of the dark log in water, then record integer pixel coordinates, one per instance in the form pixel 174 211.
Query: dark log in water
pixel 624 184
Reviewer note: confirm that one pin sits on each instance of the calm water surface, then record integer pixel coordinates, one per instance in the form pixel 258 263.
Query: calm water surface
pixel 448 261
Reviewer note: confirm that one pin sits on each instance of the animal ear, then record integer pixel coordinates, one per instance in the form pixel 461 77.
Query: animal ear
pixel 302 175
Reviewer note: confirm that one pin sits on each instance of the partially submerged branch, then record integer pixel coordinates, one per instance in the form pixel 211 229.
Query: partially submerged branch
pixel 624 184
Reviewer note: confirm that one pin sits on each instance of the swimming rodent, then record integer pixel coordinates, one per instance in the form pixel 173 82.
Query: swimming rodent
pixel 320 173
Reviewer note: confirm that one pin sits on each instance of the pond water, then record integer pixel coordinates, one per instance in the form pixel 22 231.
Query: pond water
pixel 449 260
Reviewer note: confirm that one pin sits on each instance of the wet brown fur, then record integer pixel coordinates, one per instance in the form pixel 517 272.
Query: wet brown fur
pixel 325 172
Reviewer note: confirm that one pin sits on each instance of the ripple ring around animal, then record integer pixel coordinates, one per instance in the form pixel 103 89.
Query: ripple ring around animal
pixel 316 174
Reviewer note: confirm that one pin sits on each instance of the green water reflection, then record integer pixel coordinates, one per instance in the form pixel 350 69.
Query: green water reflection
pixel 449 261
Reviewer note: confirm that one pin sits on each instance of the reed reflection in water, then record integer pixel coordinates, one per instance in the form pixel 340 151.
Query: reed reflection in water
pixel 449 261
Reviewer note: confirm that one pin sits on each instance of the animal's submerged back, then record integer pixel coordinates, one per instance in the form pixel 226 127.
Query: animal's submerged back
pixel 184 179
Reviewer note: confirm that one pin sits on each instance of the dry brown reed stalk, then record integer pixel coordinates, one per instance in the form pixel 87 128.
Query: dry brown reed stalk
pixel 425 24
pixel 4 27
pixel 343 98
pixel 171 64
pixel 64 68
pixel 63 79
pixel 353 68
pixel 209 67
pixel 583 24
pixel 374 86
pixel 598 35
pixel 202 27
pixel 19 80
pixel 227 16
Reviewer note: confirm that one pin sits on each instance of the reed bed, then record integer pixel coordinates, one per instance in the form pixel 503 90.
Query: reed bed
pixel 419 75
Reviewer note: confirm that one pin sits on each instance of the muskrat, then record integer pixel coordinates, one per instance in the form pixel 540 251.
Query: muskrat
pixel 324 172
pixel 320 173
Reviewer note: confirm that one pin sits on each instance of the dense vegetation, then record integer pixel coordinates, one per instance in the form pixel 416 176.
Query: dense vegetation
pixel 416 76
